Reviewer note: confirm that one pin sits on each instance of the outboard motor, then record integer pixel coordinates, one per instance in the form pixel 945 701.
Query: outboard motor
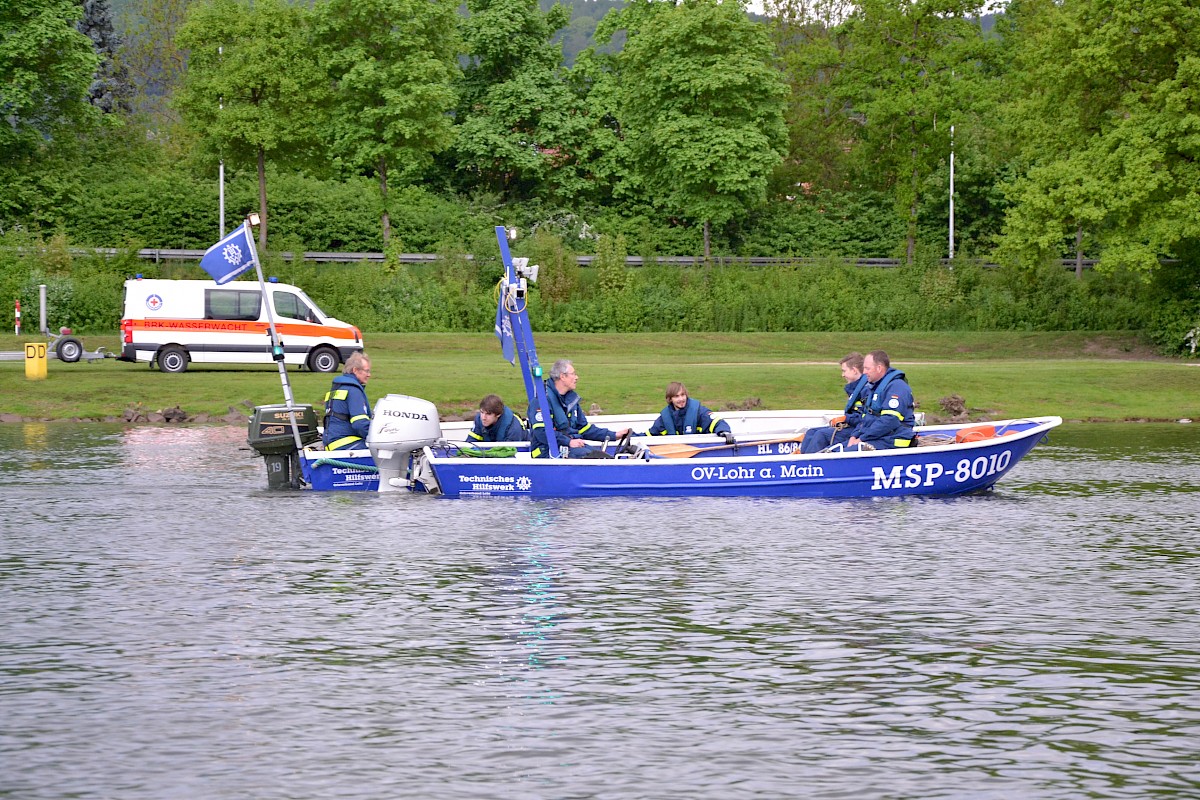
pixel 270 434
pixel 400 425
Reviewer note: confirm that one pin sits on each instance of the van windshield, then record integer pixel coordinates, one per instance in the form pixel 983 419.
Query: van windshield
pixel 321 315
pixel 289 306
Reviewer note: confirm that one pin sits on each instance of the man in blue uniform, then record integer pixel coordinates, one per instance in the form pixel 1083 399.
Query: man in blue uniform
pixel 888 416
pixel 817 439
pixel 495 422
pixel 347 410
pixel 571 427
pixel 684 415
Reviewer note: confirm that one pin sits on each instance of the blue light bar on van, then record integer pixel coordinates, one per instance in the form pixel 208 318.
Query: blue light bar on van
pixel 273 279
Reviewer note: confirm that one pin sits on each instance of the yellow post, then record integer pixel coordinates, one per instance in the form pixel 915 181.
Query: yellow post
pixel 35 361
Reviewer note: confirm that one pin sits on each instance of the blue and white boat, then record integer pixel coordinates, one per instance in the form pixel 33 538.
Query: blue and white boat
pixel 409 449
pixel 355 470
pixel 945 466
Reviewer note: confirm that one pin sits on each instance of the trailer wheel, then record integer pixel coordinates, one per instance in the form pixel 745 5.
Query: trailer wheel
pixel 68 350
pixel 324 359
pixel 172 358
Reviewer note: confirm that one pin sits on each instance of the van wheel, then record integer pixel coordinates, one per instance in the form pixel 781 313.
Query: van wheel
pixel 172 358
pixel 68 350
pixel 324 359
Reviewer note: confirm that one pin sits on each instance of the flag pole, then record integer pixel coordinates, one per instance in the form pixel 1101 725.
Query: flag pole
pixel 276 343
pixel 535 386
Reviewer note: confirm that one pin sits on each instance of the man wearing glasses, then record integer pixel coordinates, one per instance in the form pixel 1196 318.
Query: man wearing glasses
pixel 347 410
pixel 571 428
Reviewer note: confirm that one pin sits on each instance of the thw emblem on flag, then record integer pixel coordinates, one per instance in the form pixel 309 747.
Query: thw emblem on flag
pixel 229 257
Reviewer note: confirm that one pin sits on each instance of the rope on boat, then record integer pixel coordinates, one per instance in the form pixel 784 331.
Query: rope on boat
pixel 333 462
pixel 933 439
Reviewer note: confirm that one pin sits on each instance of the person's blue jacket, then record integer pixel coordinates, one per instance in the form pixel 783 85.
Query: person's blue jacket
pixel 507 428
pixel 888 418
pixel 692 418
pixel 857 395
pixel 569 423
pixel 347 414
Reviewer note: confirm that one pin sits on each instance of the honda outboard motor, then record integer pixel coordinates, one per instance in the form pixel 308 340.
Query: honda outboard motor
pixel 400 425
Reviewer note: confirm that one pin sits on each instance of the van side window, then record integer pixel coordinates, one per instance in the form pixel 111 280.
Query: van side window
pixel 232 304
pixel 289 306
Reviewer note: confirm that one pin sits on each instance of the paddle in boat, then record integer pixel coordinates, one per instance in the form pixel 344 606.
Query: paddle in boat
pixel 410 449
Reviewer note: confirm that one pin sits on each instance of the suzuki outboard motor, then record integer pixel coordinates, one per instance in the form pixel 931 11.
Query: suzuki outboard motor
pixel 400 425
pixel 272 437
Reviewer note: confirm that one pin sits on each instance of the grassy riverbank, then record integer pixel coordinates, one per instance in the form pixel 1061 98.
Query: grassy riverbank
pixel 1080 376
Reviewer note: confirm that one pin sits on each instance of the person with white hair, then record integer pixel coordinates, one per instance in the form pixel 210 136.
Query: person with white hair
pixel 571 428
pixel 347 410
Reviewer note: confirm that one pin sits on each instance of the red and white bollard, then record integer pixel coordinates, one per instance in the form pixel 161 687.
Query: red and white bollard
pixel 17 326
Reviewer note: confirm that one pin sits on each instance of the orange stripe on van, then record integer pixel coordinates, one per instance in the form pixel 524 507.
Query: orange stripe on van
pixel 239 326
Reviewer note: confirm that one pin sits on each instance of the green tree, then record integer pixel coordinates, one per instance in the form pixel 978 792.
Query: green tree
pixel 810 49
pixel 392 63
pixel 604 153
pixel 521 127
pixel 152 55
pixel 701 107
pixel 911 72
pixel 110 90
pixel 253 87
pixel 46 68
pixel 1107 109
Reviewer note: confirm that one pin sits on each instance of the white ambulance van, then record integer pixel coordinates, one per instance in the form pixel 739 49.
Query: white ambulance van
pixel 173 323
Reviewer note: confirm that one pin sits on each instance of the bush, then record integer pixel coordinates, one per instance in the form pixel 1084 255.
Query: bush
pixel 1175 327
pixel 83 292
pixel 171 210
pixel 455 293
pixel 822 224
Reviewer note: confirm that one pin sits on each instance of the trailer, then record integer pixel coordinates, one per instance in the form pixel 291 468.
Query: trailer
pixel 62 345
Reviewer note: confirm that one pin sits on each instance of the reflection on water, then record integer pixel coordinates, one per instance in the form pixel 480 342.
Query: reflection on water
pixel 172 629
pixel 536 583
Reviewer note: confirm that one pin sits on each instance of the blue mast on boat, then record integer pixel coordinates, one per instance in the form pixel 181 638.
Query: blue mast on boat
pixel 514 332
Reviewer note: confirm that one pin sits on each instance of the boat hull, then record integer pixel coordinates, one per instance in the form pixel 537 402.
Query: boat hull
pixel 940 470
pixel 354 470
pixel 339 470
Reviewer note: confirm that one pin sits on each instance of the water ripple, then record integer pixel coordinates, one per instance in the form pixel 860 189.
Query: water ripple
pixel 173 630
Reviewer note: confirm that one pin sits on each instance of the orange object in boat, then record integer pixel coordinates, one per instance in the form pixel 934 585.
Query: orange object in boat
pixel 976 433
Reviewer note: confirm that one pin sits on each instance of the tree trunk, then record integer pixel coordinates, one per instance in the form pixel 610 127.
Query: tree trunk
pixel 385 219
pixel 910 249
pixel 707 241
pixel 262 200
pixel 1078 252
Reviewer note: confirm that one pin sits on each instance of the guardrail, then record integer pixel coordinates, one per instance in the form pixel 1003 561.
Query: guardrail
pixel 158 255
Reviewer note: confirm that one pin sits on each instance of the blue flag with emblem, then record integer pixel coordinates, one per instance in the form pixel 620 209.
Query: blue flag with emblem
pixel 229 257
pixel 504 333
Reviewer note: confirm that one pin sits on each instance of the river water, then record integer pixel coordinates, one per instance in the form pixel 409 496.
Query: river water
pixel 171 629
